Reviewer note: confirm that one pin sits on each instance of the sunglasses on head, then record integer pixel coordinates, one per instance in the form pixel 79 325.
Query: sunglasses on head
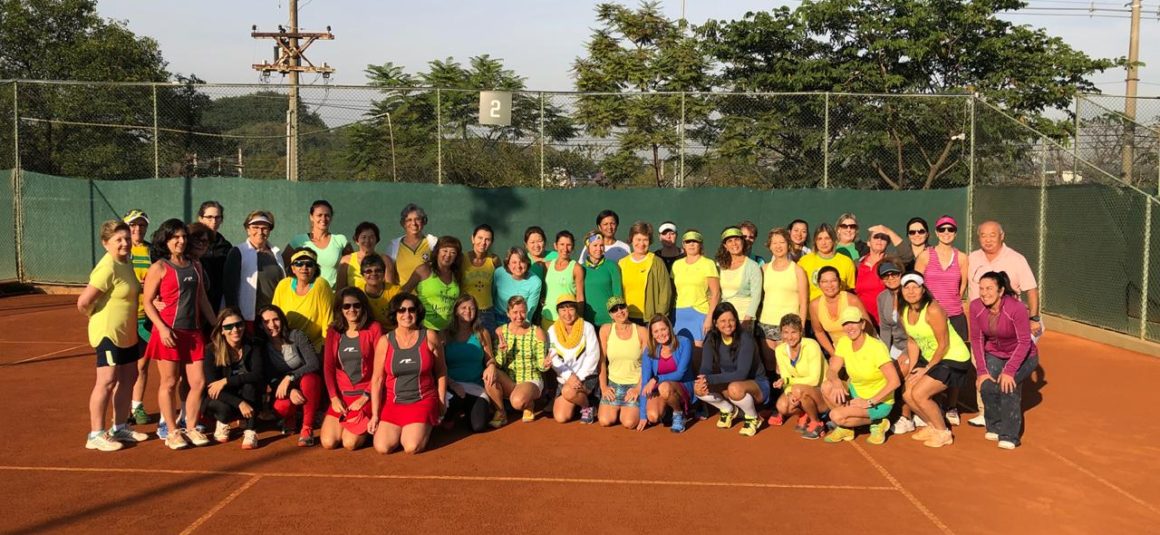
pixel 916 232
pixel 947 228
pixel 848 225
pixel 303 264
pixel 352 306
pixel 406 310
pixel 227 327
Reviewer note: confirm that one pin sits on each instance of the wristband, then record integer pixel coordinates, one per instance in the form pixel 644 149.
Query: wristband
pixel 1034 318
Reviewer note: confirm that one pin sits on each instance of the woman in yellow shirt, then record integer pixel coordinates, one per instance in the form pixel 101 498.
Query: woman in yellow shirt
pixel 366 236
pixel 802 368
pixel 306 298
pixel 622 344
pixel 478 273
pixel 869 396
pixel 698 289
pixel 826 254
pixel 644 277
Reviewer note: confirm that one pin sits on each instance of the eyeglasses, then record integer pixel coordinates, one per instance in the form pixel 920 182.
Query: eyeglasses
pixel 352 306
pixel 916 232
pixel 947 229
pixel 848 225
pixel 617 308
pixel 233 326
pixel 303 264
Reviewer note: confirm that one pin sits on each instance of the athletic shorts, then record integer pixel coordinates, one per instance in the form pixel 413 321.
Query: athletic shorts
pixel 763 385
pixel 947 372
pixel 190 346
pixel 108 354
pixel 620 392
pixel 879 411
pixel 689 322
pixel 771 332
pixel 959 324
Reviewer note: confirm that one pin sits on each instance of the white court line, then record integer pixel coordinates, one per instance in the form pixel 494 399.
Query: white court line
pixel 44 355
pixel 38 342
pixel 1101 480
pixel 401 477
pixel 220 505
pixel 898 486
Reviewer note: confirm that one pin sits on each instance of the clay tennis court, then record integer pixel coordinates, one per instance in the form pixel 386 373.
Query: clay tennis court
pixel 1087 465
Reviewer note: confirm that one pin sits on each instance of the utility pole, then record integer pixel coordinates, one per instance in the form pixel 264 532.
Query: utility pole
pixel 290 53
pixel 1130 95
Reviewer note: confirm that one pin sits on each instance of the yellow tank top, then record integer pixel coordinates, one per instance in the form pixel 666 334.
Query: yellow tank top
pixel 781 294
pixel 830 323
pixel 477 281
pixel 923 335
pixel 624 358
pixel 731 280
pixel 407 259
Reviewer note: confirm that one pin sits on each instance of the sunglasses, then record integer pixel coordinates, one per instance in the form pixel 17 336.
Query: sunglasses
pixel 352 306
pixel 406 310
pixel 303 264
pixel 373 272
pixel 233 326
pixel 916 232
pixel 848 225
pixel 618 308
pixel 947 229
pixel 891 275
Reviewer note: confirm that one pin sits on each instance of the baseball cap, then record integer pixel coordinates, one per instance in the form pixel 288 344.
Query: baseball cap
pixel 614 301
pixel 666 227
pixel 946 220
pixel 850 315
pixel 134 215
pixel 886 267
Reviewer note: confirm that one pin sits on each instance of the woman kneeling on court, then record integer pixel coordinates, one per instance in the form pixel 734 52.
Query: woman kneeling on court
pixel 409 362
pixel 732 376
pixel 868 398
pixel 347 364
pixel 666 375
pixel 469 365
pixel 575 351
pixel 941 356
pixel 802 368
pixel 234 379
pixel 292 372
pixel 620 367
pixel 521 360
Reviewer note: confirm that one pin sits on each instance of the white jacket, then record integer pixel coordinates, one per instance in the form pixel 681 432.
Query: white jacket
pixel 581 361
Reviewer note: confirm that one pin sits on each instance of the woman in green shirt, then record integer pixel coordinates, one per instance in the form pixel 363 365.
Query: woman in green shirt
pixel 436 282
pixel 601 280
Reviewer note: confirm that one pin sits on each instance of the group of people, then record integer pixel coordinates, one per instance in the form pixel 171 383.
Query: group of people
pixel 330 335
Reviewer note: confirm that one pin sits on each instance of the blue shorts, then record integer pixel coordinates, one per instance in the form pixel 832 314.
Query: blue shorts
pixel 763 385
pixel 689 322
pixel 880 411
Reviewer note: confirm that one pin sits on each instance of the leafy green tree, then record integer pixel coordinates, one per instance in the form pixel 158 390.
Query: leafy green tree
pixel 641 51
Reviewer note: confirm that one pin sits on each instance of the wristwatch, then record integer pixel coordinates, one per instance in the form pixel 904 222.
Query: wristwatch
pixel 1034 318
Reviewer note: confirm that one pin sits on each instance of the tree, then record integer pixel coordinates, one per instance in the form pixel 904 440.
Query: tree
pixel 66 40
pixel 640 51
pixel 893 47
pixel 473 154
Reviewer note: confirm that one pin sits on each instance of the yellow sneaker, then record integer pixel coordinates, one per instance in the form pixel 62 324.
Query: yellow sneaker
pixel 751 425
pixel 922 434
pixel 725 420
pixel 878 432
pixel 529 415
pixel 839 434
pixel 498 420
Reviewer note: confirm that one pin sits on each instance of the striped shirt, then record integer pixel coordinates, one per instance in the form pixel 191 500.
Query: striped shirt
pixel 944 284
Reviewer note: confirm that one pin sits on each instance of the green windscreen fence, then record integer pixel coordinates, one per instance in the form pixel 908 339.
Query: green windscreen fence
pixel 7 228
pixel 63 215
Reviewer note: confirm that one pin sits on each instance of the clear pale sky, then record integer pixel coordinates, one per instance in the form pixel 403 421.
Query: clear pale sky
pixel 538 39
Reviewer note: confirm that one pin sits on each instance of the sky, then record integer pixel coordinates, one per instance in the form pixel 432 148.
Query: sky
pixel 538 39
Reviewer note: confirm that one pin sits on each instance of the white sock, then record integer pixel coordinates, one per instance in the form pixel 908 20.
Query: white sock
pixel 717 401
pixel 747 406
pixel 137 404
pixel 118 427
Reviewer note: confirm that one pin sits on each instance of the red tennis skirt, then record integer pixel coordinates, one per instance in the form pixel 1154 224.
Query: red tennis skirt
pixel 190 347
pixel 355 421
pixel 425 411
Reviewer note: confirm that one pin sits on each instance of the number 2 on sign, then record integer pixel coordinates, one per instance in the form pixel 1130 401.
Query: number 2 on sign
pixel 496 105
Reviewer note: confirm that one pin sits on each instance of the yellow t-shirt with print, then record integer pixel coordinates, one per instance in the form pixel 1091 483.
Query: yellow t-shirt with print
pixel 477 280
pixel 407 259
pixel 692 282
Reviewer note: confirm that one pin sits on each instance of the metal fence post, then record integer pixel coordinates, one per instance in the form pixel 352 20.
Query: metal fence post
pixel 1076 139
pixel 438 136
pixel 17 185
pixel 826 145
pixel 542 148
pixel 1147 262
pixel 971 176
pixel 681 172
pixel 1042 222
pixel 156 143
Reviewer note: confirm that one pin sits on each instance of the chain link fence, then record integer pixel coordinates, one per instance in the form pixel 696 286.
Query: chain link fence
pixel 1122 147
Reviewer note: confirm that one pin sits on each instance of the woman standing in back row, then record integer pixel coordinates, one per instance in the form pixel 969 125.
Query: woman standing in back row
pixel 644 277
pixel 698 289
pixel 740 276
pixel 328 248
pixel 564 277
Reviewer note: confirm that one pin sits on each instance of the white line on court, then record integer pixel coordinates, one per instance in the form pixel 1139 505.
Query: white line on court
pixel 220 505
pixel 1101 480
pixel 38 357
pixel 898 486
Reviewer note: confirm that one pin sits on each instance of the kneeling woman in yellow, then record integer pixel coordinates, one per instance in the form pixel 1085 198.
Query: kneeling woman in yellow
pixel 436 282
pixel 306 298
pixel 869 396
pixel 623 343
pixel 802 368
pixel 938 357
pixel 520 361
pixel 575 352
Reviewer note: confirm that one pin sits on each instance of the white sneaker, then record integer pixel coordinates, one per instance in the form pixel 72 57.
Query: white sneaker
pixel 953 416
pixel 197 438
pixel 103 442
pixel 978 421
pixel 249 439
pixel 918 421
pixel 127 434
pixel 903 426
pixel 991 436
pixel 221 432
pixel 1006 445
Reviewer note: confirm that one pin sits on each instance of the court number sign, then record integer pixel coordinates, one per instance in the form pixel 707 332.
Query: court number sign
pixel 495 108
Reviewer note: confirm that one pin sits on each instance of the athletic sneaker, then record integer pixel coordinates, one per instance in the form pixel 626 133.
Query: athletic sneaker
pixel 776 419
pixel 953 416
pixel 918 422
pixel 922 434
pixel 197 438
pixel 750 426
pixel 102 442
pixel 839 434
pixel 813 431
pixel 939 439
pixel 878 432
pixel 803 422
pixel 127 434
pixel 176 442
pixel 221 432
pixel 249 439
pixel 587 415
pixel 163 430
pixel 498 419
pixel 903 426
pixel 528 416
pixel 306 438
pixel 978 421
pixel 725 420
pixel 1007 445
pixel 678 425
pixel 991 436
pixel 140 416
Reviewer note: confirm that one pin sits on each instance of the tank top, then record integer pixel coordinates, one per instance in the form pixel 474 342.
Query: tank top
pixel 557 283
pixel 944 283
pixel 923 335
pixel 731 280
pixel 179 291
pixel 409 376
pixel 830 323
pixel 781 294
pixel 350 357
pixel 437 297
pixel 524 353
pixel 624 357
pixel 477 281
pixel 465 360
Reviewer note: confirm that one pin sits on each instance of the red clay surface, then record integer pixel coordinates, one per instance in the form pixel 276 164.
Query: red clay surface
pixel 1085 466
